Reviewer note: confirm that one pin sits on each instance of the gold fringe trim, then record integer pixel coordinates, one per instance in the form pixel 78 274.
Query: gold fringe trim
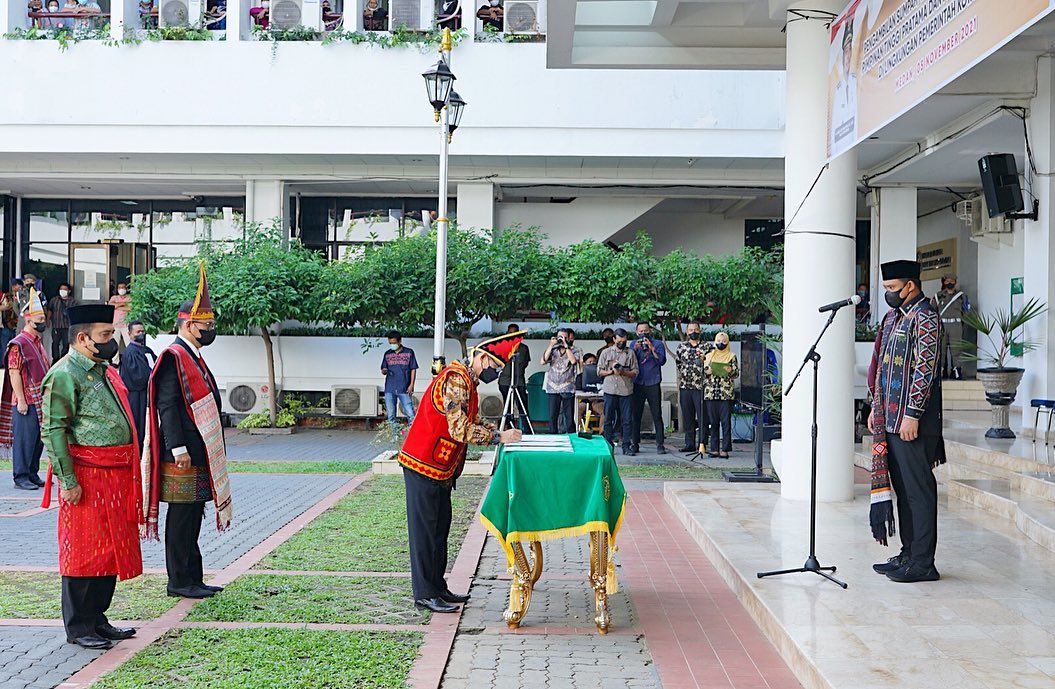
pixel 612 587
pixel 554 534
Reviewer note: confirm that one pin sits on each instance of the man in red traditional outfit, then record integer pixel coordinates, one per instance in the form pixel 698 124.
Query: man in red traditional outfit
pixel 20 408
pixel 90 436
pixel 433 456
pixel 187 462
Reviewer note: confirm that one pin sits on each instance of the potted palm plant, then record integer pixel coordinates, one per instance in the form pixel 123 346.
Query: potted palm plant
pixel 1000 380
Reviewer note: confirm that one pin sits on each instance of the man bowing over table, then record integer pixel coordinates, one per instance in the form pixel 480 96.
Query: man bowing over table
pixel 89 433
pixel 433 456
pixel 187 459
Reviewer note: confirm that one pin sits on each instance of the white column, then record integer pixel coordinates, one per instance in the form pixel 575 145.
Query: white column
pixel 1039 247
pixel 265 200
pixel 12 16
pixel 818 268
pixel 238 20
pixel 893 236
pixel 476 206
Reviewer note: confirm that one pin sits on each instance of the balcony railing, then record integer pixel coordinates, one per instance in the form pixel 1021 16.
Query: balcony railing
pixel 390 22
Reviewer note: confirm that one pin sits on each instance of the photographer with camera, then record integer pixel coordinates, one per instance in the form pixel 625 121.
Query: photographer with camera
pixel 618 367
pixel 651 356
pixel 563 358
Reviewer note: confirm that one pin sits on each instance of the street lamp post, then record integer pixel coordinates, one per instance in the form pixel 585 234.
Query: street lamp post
pixel 448 107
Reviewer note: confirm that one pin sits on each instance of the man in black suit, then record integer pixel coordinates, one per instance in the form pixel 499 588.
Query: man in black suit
pixel 136 365
pixel 186 483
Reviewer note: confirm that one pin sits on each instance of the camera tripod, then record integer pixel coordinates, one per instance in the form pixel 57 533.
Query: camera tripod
pixel 514 410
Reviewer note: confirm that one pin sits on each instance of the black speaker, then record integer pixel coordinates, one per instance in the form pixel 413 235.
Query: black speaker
pixel 1003 193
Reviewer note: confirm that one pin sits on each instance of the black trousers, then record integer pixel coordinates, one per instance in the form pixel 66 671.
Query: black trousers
pixel 84 602
pixel 618 416
pixel 561 412
pixel 652 395
pixel 182 555
pixel 137 399
pixel 60 343
pixel 693 417
pixel 912 477
pixel 720 414
pixel 519 404
pixel 428 527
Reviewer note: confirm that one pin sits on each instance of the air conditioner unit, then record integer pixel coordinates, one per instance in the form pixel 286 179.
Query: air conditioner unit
pixel 399 407
pixel 359 401
pixel 648 426
pixel 180 13
pixel 294 14
pixel 975 215
pixel 247 398
pixel 405 13
pixel 522 17
pixel 673 398
pixel 492 405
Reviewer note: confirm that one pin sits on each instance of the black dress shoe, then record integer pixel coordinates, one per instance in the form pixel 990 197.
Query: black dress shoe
pixel 687 450
pixel 910 574
pixel 435 605
pixel 214 589
pixel 26 484
pixel 36 481
pixel 892 565
pixel 661 450
pixel 455 597
pixel 191 592
pixel 94 643
pixel 108 631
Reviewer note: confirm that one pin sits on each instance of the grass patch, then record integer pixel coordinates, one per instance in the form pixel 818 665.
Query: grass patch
pixel 367 531
pixel 667 471
pixel 5 465
pixel 269 658
pixel 317 599
pixel 37 595
pixel 331 467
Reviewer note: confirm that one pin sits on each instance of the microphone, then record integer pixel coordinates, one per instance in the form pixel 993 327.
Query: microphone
pixel 836 305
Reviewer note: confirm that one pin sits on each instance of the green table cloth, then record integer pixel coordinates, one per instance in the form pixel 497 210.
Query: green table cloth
pixel 538 496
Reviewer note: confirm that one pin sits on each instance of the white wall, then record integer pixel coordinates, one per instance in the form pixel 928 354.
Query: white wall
pixel 584 218
pixel 696 231
pixel 945 225
pixel 996 267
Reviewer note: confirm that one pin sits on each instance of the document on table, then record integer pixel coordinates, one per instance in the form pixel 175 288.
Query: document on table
pixel 542 443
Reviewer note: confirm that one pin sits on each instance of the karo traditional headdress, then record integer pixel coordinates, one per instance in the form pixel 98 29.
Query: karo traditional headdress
pixel 500 348
pixel 202 309
pixel 33 307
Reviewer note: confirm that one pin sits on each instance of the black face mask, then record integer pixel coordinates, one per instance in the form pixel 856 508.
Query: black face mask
pixel 609 339
pixel 40 327
pixel 620 345
pixel 720 345
pixel 105 350
pixel 141 338
pixel 894 299
pixel 489 375
pixel 206 337
pixel 694 336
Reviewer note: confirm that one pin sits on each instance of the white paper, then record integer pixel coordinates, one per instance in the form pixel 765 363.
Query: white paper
pixel 90 293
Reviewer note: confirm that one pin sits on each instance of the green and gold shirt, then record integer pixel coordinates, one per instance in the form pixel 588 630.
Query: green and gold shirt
pixel 80 408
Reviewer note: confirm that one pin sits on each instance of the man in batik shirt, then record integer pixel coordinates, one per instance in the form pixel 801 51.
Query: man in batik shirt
pixel 906 417
pixel 433 455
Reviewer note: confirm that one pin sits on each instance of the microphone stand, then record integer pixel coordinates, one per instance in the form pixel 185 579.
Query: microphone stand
pixel 812 564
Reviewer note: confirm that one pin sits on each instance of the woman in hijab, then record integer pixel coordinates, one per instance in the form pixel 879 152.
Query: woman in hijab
pixel 720 369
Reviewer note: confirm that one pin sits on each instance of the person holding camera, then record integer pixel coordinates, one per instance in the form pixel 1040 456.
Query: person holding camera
pixel 689 360
pixel 618 367
pixel 562 357
pixel 651 356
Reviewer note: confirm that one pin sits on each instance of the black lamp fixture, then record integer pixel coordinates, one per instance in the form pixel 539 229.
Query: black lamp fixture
pixel 438 82
pixel 457 106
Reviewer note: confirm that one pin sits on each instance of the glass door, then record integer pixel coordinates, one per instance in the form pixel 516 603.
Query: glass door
pixel 90 272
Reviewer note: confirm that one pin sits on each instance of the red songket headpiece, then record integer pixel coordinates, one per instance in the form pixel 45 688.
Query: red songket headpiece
pixel 202 309
pixel 501 348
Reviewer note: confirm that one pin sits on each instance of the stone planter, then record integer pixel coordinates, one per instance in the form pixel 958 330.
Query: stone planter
pixel 1001 386
pixel 272 431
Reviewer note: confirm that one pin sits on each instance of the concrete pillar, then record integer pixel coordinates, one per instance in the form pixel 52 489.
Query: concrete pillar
pixel 12 16
pixel 818 268
pixel 239 23
pixel 265 200
pixel 476 206
pixel 1039 246
pixel 893 236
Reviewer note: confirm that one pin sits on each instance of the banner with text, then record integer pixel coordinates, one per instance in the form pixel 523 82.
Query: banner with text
pixel 886 56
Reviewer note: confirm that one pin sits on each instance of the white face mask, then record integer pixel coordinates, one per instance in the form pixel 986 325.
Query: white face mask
pixel 64 293
pixel 494 3
pixel 122 292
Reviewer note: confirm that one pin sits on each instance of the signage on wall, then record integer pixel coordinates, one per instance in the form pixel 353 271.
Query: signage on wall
pixel 1018 290
pixel 937 259
pixel 887 56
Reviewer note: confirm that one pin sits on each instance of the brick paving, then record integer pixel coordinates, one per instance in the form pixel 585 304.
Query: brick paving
pixel 38 658
pixel 306 445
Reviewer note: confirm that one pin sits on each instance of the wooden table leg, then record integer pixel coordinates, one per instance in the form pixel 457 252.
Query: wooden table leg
pixel 526 571
pixel 599 579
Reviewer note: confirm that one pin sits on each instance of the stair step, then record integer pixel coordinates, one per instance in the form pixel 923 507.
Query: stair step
pixel 1033 516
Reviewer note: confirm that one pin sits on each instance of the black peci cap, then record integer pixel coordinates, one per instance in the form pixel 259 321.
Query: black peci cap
pixel 91 313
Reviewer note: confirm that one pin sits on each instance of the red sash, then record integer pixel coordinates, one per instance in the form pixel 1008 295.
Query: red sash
pixel 429 448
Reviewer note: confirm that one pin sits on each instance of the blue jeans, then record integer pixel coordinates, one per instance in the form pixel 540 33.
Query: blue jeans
pixel 405 400
pixel 28 448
